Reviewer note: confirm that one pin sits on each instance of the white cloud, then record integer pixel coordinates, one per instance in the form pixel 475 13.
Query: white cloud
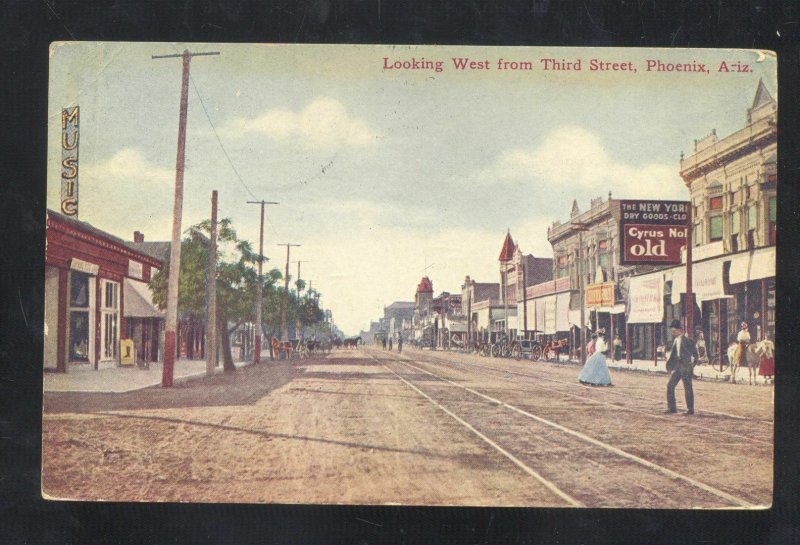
pixel 127 192
pixel 576 160
pixel 129 164
pixel 324 122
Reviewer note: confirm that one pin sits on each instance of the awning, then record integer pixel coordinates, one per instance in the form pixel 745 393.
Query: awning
pixel 549 315
pixel 753 265
pixel 540 315
pixel 646 299
pixel 706 281
pixel 512 322
pixel 562 311
pixel 138 301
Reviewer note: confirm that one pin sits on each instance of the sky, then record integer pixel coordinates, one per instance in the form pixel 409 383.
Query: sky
pixel 383 175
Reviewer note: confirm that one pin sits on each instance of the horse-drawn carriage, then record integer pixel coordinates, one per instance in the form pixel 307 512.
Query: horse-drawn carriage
pixel 297 348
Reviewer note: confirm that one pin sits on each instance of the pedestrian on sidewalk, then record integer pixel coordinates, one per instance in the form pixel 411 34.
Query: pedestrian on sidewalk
pixel 595 371
pixel 383 342
pixel 617 347
pixel 766 366
pixel 399 343
pixel 680 363
pixel 390 344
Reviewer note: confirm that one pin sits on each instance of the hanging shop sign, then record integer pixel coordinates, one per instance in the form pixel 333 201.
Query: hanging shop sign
pixel 69 161
pixel 646 299
pixel 600 295
pixel 653 232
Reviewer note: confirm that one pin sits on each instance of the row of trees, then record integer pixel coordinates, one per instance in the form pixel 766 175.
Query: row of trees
pixel 236 284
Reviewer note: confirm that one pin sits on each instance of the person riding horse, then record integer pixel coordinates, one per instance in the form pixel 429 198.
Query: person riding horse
pixel 743 338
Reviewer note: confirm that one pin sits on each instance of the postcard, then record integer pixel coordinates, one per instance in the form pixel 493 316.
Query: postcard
pixel 410 275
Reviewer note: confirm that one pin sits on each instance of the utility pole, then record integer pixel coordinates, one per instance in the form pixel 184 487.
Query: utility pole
pixel 260 296
pixel 211 318
pixel 170 336
pixel 689 296
pixel 581 227
pixel 299 322
pixel 285 300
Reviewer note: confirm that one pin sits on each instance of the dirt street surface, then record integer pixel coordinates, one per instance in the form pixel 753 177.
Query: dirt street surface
pixel 423 428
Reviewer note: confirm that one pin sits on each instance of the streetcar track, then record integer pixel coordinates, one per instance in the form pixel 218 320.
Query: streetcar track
pixel 604 391
pixel 586 438
pixel 533 473
pixel 500 372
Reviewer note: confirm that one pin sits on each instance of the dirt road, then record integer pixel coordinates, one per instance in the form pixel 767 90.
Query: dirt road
pixel 422 428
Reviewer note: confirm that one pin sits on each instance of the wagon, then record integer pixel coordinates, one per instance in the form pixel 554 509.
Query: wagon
pixel 526 349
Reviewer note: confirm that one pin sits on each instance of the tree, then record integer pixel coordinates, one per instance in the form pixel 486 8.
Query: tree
pixel 236 282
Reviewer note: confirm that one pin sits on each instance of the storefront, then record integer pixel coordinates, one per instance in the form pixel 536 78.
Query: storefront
pixel 85 269
pixel 728 290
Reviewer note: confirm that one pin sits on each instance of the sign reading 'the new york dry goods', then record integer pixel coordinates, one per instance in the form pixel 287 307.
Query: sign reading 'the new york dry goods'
pixel 653 232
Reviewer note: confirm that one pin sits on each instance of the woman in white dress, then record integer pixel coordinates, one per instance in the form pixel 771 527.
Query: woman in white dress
pixel 595 371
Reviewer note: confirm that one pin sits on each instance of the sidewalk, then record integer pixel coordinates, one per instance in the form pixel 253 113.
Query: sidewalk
pixel 113 379
pixel 700 371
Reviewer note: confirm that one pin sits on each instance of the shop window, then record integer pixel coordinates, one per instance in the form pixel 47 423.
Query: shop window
pixel 79 290
pixel 80 286
pixel 604 261
pixel 715 228
pixel 110 319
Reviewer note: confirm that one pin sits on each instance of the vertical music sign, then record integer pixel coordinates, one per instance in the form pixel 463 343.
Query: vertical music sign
pixel 69 160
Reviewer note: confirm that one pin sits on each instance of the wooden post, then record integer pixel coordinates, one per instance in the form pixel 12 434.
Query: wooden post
pixel 719 332
pixel 524 301
pixel 628 355
pixel 211 318
pixel 655 351
pixel 689 310
pixel 764 321
pixel 170 335
pixel 63 320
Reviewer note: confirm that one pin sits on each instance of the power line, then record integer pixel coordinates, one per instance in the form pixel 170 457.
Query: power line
pixel 219 141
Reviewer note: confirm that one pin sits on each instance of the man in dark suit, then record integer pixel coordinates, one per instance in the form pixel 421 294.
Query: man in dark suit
pixel 680 364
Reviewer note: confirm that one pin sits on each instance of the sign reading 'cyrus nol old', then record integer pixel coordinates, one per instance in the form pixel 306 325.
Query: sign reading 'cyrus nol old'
pixel 653 232
pixel 69 160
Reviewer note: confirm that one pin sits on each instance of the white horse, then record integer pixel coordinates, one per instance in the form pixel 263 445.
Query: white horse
pixel 752 357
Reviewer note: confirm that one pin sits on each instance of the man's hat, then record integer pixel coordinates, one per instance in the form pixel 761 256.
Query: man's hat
pixel 676 324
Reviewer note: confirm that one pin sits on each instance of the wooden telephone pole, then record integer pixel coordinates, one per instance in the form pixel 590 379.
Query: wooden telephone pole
pixel 170 336
pixel 285 299
pixel 260 296
pixel 299 322
pixel 211 319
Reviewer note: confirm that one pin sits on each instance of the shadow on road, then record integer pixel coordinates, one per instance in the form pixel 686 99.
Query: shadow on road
pixel 272 435
pixel 243 387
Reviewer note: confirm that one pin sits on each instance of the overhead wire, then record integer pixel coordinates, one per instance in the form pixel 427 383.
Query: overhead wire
pixel 219 140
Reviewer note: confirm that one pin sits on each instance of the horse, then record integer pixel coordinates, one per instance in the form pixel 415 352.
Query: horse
pixel 337 343
pixel 554 348
pixel 752 358
pixel 282 346
pixel 352 342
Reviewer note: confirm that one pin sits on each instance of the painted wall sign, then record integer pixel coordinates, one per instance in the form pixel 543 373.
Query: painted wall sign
pixel 653 231
pixel 135 269
pixel 69 160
